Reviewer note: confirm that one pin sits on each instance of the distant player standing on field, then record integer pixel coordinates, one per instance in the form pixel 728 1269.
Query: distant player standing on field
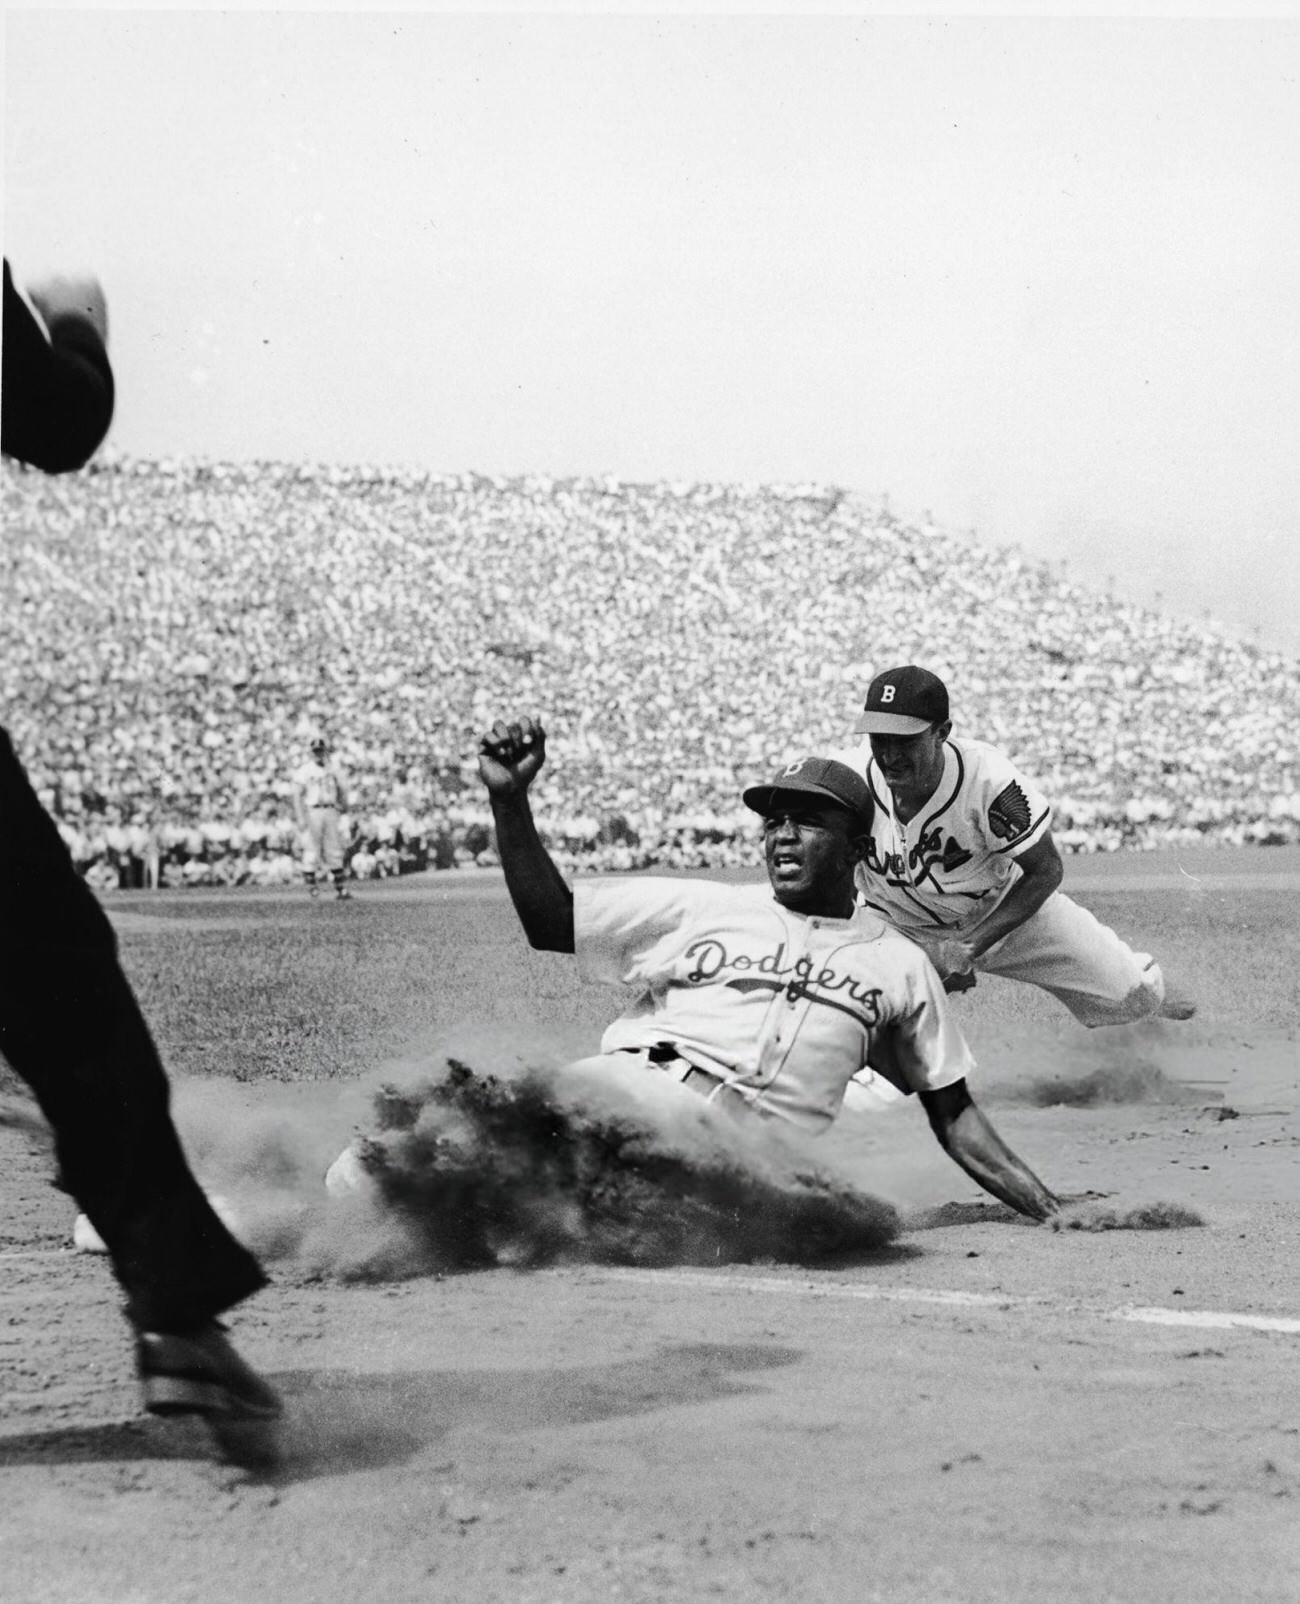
pixel 318 800
pixel 766 1000
pixel 961 859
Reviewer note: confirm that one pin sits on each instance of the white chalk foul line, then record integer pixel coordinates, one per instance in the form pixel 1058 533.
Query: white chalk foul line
pixel 868 1291
pixel 871 1292
pixel 1207 1319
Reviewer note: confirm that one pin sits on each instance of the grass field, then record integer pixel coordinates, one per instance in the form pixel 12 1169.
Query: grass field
pixel 272 986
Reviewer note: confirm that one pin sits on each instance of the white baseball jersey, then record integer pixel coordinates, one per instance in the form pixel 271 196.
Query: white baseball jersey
pixel 319 784
pixel 950 866
pixel 785 1007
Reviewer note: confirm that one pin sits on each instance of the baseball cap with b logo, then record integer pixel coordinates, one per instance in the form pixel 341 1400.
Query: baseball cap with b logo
pixel 903 701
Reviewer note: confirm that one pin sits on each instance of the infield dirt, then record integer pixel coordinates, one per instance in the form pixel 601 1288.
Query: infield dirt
pixel 976 1410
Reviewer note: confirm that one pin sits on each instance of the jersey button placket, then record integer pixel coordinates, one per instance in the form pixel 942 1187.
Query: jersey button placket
pixel 783 1018
pixel 903 847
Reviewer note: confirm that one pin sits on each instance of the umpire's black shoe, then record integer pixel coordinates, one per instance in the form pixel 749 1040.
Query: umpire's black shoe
pixel 199 1372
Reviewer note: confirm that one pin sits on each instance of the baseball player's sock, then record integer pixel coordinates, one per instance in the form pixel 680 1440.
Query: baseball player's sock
pixel 199 1372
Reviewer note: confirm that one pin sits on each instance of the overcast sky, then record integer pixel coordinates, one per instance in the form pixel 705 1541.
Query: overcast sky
pixel 1038 276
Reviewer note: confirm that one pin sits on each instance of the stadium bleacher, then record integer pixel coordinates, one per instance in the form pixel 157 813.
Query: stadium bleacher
pixel 170 632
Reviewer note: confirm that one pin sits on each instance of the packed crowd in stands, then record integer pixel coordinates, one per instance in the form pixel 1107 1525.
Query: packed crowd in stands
pixel 170 633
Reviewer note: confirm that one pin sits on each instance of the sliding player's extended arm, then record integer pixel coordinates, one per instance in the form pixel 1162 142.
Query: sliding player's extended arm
pixel 510 756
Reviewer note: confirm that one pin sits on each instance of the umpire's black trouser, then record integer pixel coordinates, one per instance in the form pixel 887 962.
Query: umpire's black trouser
pixel 70 1026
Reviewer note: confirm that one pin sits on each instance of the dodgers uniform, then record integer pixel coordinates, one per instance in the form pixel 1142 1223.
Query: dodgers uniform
pixel 742 998
pixel 319 788
pixel 944 871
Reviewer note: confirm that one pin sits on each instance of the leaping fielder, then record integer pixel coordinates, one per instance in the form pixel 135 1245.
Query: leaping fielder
pixel 960 858
pixel 766 1000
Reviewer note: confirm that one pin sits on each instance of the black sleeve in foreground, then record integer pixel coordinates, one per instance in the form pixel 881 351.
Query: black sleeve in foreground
pixel 57 398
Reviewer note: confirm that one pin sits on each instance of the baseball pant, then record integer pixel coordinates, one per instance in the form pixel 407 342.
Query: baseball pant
pixel 629 1064
pixel 322 843
pixel 1067 951
pixel 71 1028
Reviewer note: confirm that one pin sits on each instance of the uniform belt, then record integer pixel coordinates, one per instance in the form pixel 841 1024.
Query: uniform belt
pixel 664 1055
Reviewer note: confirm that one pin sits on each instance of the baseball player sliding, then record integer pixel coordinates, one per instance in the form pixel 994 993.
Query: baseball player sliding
pixel 766 1000
pixel 318 800
pixel 961 859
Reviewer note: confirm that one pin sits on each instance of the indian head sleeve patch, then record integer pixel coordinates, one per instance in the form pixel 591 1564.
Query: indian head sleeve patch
pixel 1009 813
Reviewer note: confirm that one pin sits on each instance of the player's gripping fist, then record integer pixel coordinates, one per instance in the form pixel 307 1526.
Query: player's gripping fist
pixel 510 755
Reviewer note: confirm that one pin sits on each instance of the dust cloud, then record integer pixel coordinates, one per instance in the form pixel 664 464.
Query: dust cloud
pixel 492 1147
pixel 456 1167
pixel 1150 1062
pixel 1090 1215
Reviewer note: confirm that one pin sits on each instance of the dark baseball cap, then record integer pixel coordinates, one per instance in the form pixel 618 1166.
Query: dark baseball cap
pixel 903 701
pixel 823 779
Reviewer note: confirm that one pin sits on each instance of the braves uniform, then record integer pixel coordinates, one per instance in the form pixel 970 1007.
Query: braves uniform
pixel 319 788
pixel 740 997
pixel 945 870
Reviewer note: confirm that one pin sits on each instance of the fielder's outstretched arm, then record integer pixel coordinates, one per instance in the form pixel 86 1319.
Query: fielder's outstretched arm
pixel 1041 873
pixel 510 756
pixel 970 1141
